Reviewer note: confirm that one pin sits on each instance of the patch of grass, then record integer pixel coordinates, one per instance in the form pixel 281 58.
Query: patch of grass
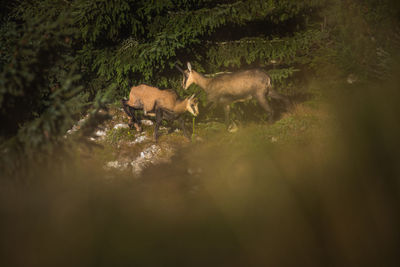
pixel 298 127
pixel 293 128
pixel 114 136
pixel 209 129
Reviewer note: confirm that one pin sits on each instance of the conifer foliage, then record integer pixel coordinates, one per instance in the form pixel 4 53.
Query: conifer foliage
pixel 139 41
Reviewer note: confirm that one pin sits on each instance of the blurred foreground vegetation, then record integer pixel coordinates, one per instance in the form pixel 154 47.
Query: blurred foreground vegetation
pixel 320 187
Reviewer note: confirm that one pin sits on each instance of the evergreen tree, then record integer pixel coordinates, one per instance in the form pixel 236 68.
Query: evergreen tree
pixel 139 41
pixel 41 92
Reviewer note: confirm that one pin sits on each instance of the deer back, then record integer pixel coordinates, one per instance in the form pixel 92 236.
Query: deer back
pixel 145 97
pixel 239 83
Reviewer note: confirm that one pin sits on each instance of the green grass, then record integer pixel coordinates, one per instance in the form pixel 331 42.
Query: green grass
pixel 114 136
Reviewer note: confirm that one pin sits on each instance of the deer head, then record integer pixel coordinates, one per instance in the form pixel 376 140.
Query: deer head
pixel 187 76
pixel 192 105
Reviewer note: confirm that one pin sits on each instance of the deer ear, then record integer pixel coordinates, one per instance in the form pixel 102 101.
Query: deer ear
pixel 191 97
pixel 189 66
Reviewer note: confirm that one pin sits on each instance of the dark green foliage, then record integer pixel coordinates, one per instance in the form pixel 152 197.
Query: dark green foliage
pixel 362 36
pixel 38 60
pixel 41 91
pixel 139 41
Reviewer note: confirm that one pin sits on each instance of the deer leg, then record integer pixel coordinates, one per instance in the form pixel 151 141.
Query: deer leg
pixel 159 115
pixel 133 120
pixel 170 118
pixel 137 123
pixel 171 126
pixel 128 110
pixel 125 107
pixel 183 127
pixel 264 104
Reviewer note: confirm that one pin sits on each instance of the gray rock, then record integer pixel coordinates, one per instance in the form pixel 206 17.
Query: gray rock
pixel 121 126
pixel 116 165
pixel 147 122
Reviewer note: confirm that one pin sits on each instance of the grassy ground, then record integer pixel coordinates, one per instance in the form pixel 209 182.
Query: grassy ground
pixel 125 149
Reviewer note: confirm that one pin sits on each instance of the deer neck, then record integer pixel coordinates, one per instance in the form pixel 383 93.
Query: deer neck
pixel 200 80
pixel 180 106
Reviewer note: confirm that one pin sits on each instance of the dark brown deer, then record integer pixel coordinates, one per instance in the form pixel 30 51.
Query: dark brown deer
pixel 162 104
pixel 239 86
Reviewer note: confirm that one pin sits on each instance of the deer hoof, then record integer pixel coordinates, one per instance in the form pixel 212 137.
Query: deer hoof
pixel 137 127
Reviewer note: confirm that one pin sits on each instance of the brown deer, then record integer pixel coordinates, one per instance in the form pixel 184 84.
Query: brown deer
pixel 239 86
pixel 162 104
